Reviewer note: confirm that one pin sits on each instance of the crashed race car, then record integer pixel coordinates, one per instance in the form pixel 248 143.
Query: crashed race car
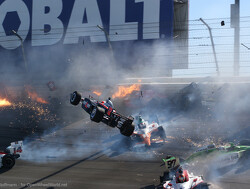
pixel 11 153
pixel 175 177
pixel 104 112
pixel 147 134
pixel 224 155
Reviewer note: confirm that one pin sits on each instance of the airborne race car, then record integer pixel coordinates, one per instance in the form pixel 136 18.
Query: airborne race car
pixel 146 135
pixel 9 156
pixel 175 177
pixel 104 112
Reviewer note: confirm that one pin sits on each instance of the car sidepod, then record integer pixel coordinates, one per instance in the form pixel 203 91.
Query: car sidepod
pixel 87 105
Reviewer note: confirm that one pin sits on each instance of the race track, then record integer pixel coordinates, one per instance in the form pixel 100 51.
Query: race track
pixel 89 155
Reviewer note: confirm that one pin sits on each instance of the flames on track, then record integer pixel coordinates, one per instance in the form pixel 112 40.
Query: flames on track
pixel 4 102
pixel 29 110
pixel 33 95
pixel 124 91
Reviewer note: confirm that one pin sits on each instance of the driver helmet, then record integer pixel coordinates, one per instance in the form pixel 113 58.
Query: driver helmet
pixel 181 178
pixel 109 102
pixel 141 123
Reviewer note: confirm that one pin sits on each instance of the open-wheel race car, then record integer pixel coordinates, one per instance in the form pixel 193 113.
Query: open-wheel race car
pixel 10 154
pixel 226 155
pixel 104 112
pixel 147 134
pixel 175 177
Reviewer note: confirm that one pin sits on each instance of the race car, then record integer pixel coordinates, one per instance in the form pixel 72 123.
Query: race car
pixel 147 135
pixel 175 177
pixel 9 156
pixel 227 154
pixel 104 112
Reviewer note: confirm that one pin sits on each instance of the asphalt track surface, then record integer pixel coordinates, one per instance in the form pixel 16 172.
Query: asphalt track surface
pixel 90 155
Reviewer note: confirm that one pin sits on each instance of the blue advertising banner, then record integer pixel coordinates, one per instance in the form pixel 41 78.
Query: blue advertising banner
pixel 51 22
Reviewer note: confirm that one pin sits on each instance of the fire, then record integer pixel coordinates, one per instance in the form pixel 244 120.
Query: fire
pixel 97 93
pixel 4 102
pixel 126 90
pixel 34 96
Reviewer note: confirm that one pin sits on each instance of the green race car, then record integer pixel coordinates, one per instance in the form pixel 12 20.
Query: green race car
pixel 227 153
pixel 222 155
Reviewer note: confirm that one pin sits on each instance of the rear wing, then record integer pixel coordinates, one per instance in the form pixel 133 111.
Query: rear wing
pixel 171 163
pixel 15 147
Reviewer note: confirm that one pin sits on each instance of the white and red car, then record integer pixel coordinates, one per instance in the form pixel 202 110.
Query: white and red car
pixel 184 181
pixel 9 156
pixel 175 177
pixel 147 134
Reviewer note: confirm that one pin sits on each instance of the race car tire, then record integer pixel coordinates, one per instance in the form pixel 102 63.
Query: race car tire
pixel 75 98
pixel 97 114
pixel 161 132
pixel 8 161
pixel 245 142
pixel 127 129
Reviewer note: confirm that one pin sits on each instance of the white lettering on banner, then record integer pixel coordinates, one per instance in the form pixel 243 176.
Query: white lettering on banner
pixel 77 28
pixel 39 19
pixel 120 30
pixel 12 42
pixel 151 19
pixel 48 29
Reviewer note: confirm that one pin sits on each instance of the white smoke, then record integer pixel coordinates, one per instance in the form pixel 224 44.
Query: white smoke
pixel 80 140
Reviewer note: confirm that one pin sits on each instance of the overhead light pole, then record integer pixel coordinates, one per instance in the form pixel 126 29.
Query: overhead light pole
pixel 212 41
pixel 24 57
pixel 108 40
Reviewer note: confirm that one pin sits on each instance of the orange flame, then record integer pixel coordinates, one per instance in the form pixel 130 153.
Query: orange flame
pixel 4 102
pixel 97 93
pixel 124 91
pixel 34 96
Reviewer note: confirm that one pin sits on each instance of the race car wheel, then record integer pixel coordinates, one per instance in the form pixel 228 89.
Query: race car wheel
pixel 127 129
pixel 75 98
pixel 161 132
pixel 8 161
pixel 97 114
